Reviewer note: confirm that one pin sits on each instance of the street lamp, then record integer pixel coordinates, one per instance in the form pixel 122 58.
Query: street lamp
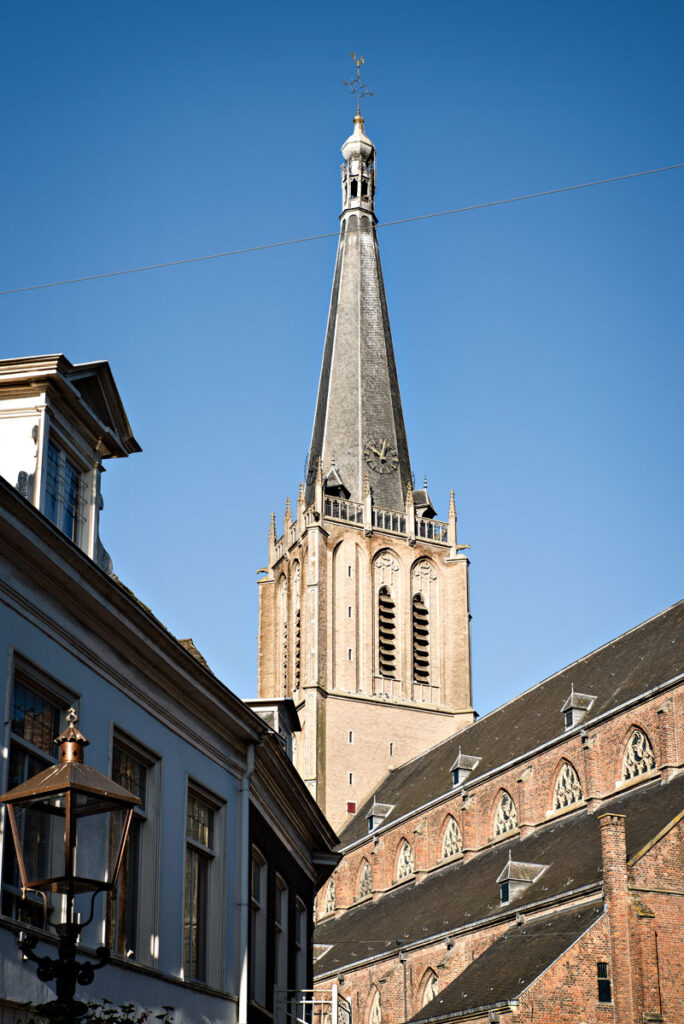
pixel 69 825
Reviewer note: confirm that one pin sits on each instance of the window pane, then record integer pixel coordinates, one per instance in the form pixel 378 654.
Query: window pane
pixel 34 719
pixel 200 823
pixel 70 499
pixel 196 870
pixel 129 773
pixel 52 483
pixel 122 918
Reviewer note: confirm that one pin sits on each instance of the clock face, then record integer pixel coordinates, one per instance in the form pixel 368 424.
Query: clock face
pixel 381 456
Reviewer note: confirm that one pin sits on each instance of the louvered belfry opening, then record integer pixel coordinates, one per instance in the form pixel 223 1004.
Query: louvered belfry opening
pixel 297 648
pixel 387 630
pixel 421 640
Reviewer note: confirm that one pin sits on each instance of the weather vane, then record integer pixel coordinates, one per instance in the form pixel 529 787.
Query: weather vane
pixel 355 85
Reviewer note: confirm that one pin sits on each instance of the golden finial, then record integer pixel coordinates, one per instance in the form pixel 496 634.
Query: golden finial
pixel 355 85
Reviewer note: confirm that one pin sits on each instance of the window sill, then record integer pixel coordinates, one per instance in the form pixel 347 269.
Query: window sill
pixel 495 840
pixel 550 815
pixel 623 784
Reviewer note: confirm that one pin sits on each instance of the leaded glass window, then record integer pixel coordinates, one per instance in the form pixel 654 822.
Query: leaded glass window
pixel 506 817
pixel 451 840
pixel 405 865
pixel 62 489
pixel 329 905
pixel 568 790
pixel 365 880
pixel 639 757
pixel 122 912
pixel 199 833
pixel 431 988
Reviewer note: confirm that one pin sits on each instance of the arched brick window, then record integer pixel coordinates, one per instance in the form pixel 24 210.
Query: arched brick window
pixel 365 879
pixel 567 790
pixel 375 1015
pixel 430 988
pixel 506 817
pixel 451 839
pixel 405 865
pixel 329 904
pixel 639 757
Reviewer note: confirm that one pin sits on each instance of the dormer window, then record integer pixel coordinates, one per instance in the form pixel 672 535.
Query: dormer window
pixel 62 491
pixel 463 767
pixel 516 877
pixel 575 708
pixel 378 813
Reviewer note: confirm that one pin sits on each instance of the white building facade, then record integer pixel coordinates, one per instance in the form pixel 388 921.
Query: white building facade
pixel 187 930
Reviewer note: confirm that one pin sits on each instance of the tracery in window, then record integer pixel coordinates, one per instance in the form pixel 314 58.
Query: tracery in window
pixel 506 817
pixel 375 1016
pixel 639 757
pixel 387 633
pixel 567 790
pixel 365 880
pixel 431 988
pixel 329 904
pixel 451 840
pixel 405 865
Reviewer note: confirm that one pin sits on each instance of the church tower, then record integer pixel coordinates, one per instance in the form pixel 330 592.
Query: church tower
pixel 363 608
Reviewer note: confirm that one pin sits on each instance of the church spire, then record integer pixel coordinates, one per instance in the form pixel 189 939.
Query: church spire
pixel 359 424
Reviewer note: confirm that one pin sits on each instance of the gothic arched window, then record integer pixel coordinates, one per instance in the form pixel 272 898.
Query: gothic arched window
pixel 430 989
pixel 639 757
pixel 375 1015
pixel 506 817
pixel 329 905
pixel 421 640
pixel 405 860
pixel 451 840
pixel 387 633
pixel 365 880
pixel 567 790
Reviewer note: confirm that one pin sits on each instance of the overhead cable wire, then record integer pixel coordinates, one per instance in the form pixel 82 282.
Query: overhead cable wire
pixel 334 234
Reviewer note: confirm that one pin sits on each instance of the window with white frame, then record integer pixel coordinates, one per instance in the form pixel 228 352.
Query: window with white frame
pixel 280 930
pixel 199 854
pixel 365 880
pixel 375 1015
pixel 258 909
pixel 329 904
pixel 133 769
pixel 639 757
pixel 36 720
pixel 62 491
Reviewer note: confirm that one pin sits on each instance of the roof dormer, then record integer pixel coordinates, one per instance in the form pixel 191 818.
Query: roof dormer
pixel 575 708
pixel 58 421
pixel 377 815
pixel 516 877
pixel 463 767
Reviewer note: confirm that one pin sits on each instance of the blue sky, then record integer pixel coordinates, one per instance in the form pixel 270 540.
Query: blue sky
pixel 539 345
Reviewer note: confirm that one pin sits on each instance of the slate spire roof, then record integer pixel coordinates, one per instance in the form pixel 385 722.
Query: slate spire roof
pixel 359 424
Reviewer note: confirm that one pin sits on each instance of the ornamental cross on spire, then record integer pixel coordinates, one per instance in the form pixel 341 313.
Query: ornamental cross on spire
pixel 356 86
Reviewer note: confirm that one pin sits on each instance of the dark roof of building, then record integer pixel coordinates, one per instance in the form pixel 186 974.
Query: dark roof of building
pixel 464 892
pixel 511 963
pixel 646 656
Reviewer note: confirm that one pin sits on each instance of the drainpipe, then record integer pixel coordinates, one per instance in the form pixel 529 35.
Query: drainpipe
pixel 243 903
pixel 402 961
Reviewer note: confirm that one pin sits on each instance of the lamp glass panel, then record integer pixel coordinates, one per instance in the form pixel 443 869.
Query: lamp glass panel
pixel 96 853
pixel 40 825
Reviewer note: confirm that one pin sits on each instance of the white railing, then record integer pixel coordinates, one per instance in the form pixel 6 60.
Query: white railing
pixel 432 529
pixel 308 1006
pixel 346 511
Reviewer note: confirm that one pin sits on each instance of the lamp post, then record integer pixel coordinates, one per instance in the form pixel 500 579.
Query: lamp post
pixel 69 826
